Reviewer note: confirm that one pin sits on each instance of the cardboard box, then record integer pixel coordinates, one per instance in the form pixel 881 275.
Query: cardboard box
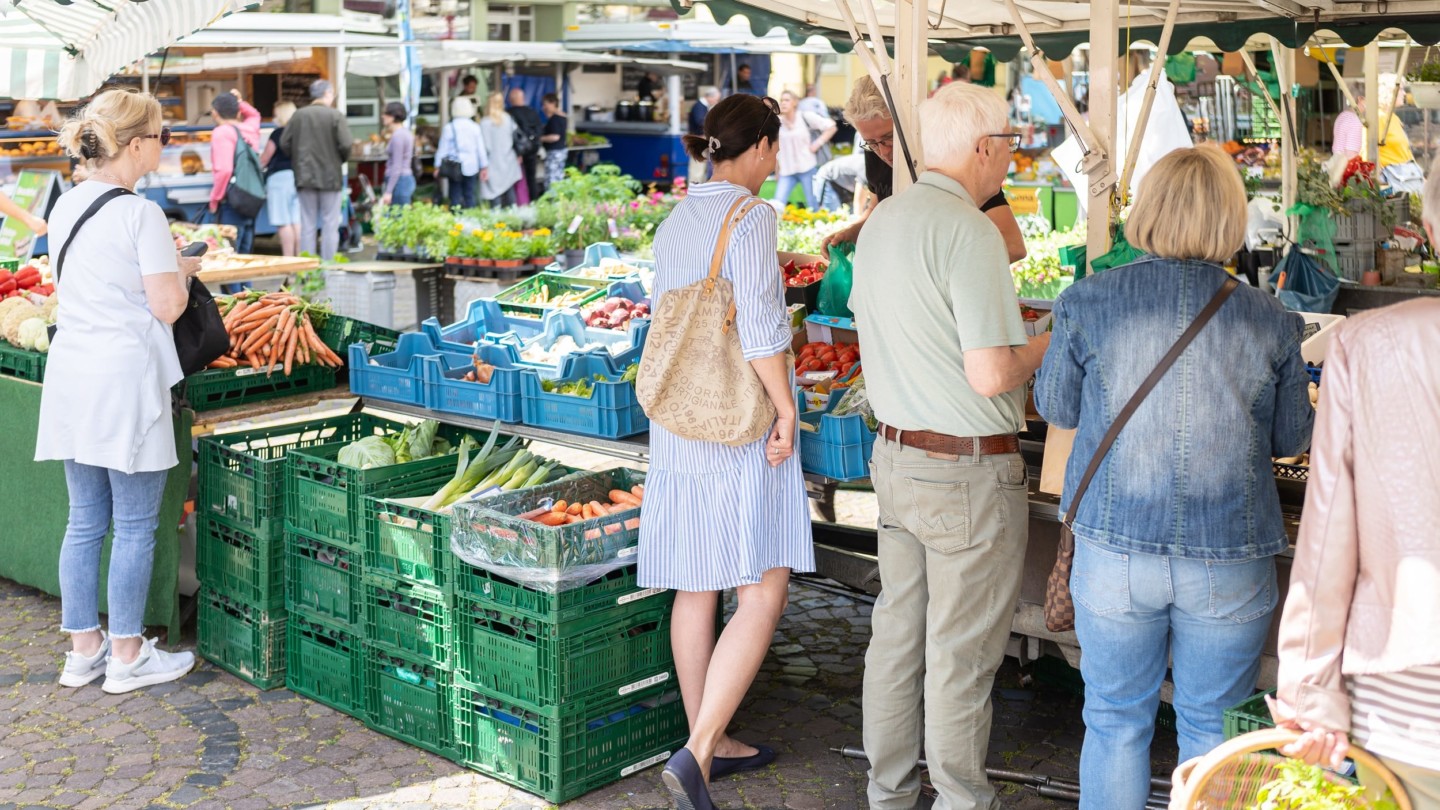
pixel 830 329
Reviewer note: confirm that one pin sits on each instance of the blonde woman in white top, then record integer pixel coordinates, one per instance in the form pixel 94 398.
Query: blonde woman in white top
pixel 105 410
pixel 797 161
pixel 497 129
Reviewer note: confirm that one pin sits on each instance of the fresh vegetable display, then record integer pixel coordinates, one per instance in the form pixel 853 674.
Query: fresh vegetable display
pixel 491 471
pixel 23 281
pixel 838 357
pixel 802 275
pixel 563 513
pixel 1030 314
pixel 585 386
pixel 481 373
pixel 541 296
pixel 24 321
pixel 270 330
pixel 615 313
pixel 414 443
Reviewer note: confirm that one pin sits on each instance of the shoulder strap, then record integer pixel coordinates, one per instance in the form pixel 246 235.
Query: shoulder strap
pixel 85 217
pixel 1196 326
pixel 737 213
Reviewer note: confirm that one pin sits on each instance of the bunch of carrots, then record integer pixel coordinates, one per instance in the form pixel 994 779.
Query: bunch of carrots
pixel 563 513
pixel 272 329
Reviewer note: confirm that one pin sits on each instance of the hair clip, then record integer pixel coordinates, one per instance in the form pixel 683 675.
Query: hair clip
pixel 712 149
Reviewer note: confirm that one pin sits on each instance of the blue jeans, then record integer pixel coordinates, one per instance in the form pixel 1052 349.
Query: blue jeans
pixel 1133 612
pixel 97 496
pixel 830 199
pixel 244 227
pixel 404 190
pixel 466 193
pixel 787 182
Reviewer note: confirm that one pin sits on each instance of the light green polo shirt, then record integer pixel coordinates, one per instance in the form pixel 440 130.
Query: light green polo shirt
pixel 932 281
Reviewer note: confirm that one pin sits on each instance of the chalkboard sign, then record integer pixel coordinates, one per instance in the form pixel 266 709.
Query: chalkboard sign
pixel 267 90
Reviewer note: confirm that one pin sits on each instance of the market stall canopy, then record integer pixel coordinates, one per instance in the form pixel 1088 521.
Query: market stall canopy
pixel 955 27
pixel 448 54
pixel 688 36
pixel 266 30
pixel 66 49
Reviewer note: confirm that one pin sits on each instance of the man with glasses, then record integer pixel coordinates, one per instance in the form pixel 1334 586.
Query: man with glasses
pixel 867 112
pixel 946 362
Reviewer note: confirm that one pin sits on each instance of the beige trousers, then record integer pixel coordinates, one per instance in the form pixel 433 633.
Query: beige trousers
pixel 952 548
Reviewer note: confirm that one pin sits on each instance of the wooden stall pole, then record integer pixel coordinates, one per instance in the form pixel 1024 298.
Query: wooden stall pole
pixel 1284 59
pixel 1104 95
pixel 911 49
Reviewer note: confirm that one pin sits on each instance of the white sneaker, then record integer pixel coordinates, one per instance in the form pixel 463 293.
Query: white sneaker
pixel 152 666
pixel 80 669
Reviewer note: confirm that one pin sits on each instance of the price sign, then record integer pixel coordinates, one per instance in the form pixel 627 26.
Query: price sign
pixel 35 191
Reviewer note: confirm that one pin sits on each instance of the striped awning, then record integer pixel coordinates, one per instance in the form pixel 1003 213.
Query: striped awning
pixel 67 49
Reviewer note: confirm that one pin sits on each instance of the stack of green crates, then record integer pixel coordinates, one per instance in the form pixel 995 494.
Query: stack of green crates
pixel 240 543
pixel 370 644
pixel 562 693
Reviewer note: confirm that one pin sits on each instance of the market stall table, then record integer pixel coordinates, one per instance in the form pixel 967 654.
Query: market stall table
pixel 256 267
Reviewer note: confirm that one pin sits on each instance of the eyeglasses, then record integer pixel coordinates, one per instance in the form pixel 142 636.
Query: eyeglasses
pixel 164 136
pixel 774 107
pixel 1012 137
pixel 887 142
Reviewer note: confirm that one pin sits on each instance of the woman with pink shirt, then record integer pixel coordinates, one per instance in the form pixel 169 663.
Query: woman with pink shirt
pixel 234 119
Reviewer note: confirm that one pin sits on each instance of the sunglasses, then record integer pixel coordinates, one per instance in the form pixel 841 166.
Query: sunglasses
pixel 164 136
pixel 774 107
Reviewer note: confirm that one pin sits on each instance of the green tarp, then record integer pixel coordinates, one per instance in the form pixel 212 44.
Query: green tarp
pixel 37 508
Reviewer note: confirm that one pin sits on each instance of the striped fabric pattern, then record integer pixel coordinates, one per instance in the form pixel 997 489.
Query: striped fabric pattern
pixel 1397 714
pixel 717 517
pixel 66 51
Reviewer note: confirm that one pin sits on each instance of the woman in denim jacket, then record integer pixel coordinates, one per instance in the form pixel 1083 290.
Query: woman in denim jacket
pixel 1175 540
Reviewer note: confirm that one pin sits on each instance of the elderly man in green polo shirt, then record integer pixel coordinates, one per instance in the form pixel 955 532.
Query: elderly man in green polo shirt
pixel 946 362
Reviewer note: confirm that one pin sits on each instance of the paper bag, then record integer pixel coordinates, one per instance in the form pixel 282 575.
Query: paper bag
pixel 1058 442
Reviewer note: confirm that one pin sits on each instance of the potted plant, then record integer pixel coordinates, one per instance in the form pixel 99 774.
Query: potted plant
pixel 542 248
pixel 1424 84
pixel 509 249
pixel 483 247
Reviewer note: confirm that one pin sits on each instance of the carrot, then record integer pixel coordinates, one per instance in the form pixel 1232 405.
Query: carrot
pixel 235 313
pixel 573 519
pixel 253 359
pixel 586 512
pixel 290 349
pixel 622 498
pixel 574 509
pixel 552 519
pixel 638 491
pixel 598 509
pixel 560 506
pixel 261 313
pixel 223 362
pixel 260 334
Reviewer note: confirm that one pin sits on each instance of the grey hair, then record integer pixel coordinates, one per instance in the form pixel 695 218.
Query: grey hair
pixel 954 120
pixel 709 91
pixel 319 88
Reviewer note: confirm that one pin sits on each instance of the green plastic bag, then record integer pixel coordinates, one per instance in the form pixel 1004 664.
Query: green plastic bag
pixel 839 278
pixel 1121 252
pixel 1180 68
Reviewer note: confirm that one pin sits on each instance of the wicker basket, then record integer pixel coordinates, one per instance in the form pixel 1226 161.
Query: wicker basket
pixel 1228 777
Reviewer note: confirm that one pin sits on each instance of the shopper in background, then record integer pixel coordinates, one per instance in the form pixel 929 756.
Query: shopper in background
pixel 463 141
pixel 399 156
pixel 235 121
pixel 766 534
pixel 812 105
pixel 555 139
pixel 318 140
pixel 1347 137
pixel 1175 549
pixel 649 85
pixel 743 82
pixel 282 201
pixel 497 129
pixel 798 145
pixel 946 466
pixel 105 408
pixel 867 112
pixel 1360 637
pixel 836 181
pixel 10 208
pixel 527 120
pixel 709 97
pixel 470 91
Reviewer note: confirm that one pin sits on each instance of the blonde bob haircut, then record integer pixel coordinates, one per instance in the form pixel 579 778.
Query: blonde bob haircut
pixel 1191 206
pixel 283 111
pixel 102 129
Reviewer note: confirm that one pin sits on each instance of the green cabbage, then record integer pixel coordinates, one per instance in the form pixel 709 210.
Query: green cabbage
pixel 367 453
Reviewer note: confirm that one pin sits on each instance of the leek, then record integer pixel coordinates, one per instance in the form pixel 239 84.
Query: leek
pixel 521 476
pixel 462 471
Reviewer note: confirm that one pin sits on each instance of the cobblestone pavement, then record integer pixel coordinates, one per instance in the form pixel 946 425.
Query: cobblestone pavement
pixel 211 741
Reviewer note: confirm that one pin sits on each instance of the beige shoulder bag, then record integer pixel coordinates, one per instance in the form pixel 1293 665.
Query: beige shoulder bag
pixel 694 380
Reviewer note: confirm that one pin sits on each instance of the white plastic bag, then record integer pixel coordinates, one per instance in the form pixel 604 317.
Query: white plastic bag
pixel 1266 221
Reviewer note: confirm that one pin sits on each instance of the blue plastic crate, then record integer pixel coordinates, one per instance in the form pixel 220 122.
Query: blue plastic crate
pixel 621 349
pixel 447 392
pixel 399 375
pixel 594 255
pixel 610 412
pixel 483 319
pixel 841 450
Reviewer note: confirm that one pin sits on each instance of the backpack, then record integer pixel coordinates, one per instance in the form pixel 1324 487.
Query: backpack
pixel 526 142
pixel 247 183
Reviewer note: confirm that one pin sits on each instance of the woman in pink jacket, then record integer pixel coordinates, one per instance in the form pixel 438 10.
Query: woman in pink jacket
pixel 1360 637
pixel 234 119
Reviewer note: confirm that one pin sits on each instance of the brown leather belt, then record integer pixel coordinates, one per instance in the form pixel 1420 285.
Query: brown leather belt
pixel 951 445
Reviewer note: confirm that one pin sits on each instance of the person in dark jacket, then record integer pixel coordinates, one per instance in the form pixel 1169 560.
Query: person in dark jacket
pixel 527 119
pixel 318 142
pixel 709 97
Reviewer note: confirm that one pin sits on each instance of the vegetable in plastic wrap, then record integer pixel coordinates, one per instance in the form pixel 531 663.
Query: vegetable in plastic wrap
pixel 857 400
pixel 367 453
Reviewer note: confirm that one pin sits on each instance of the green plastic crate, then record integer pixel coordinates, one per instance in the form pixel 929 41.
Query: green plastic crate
pixel 247 566
pixel 322 581
pixel 409 619
pixel 325 498
pixel 227 387
pixel 22 363
pixel 242 475
pixel 1248 715
pixel 338 332
pixel 9 265
pixel 408 700
pixel 560 758
pixel 614 589
pixel 545 666
pixel 590 290
pixel 324 664
pixel 244 640
pixel 408 542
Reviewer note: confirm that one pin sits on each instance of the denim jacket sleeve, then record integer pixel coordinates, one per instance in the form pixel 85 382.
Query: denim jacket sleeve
pixel 1061 376
pixel 1311 643
pixel 1294 415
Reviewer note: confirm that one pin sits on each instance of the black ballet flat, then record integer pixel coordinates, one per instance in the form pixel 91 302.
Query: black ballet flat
pixel 721 767
pixel 682 777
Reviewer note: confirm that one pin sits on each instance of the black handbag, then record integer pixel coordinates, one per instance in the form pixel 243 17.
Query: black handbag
pixel 200 336
pixel 450 168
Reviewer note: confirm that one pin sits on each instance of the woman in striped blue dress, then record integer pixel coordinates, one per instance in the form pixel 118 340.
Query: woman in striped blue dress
pixel 716 516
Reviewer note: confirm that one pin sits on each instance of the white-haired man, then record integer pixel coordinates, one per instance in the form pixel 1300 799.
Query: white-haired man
pixel 709 97
pixel 947 382
pixel 867 112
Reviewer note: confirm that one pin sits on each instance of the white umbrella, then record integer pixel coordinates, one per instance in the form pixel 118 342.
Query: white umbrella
pixel 67 49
